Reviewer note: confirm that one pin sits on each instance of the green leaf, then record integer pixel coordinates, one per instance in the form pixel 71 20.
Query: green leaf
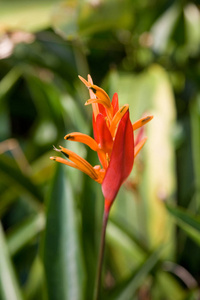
pixel 195 127
pixel 35 286
pixel 189 223
pixel 46 98
pixel 9 289
pixel 138 277
pixel 23 233
pixel 76 19
pixel 63 260
pixel 164 26
pixel 192 24
pixel 11 174
pixel 26 15
pixel 129 254
pixel 9 81
pixel 157 178
pixel 165 282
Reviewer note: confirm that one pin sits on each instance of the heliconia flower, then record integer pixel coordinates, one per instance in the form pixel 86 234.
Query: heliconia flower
pixel 113 141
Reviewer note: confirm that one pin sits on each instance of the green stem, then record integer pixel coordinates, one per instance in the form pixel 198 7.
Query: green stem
pixel 101 252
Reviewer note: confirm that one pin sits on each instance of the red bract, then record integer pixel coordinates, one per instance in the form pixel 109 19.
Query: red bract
pixel 113 141
pixel 121 160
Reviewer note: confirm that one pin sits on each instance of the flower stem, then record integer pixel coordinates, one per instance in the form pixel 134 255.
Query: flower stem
pixel 101 252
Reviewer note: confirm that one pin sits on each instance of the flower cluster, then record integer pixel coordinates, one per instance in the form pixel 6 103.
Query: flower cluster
pixel 113 141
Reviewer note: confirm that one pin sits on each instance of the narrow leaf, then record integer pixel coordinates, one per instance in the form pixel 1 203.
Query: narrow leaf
pixel 14 175
pixel 9 289
pixel 26 231
pixel 189 223
pixel 139 276
pixel 62 249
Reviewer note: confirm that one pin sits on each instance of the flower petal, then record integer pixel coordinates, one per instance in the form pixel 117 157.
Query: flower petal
pixel 98 100
pixel 115 103
pixel 121 161
pixel 117 117
pixel 82 138
pixel 104 136
pixel 101 95
pixel 141 122
pixel 139 146
pixel 76 162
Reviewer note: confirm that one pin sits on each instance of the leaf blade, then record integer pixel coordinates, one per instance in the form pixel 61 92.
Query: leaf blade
pixel 189 223
pixel 9 289
pixel 62 249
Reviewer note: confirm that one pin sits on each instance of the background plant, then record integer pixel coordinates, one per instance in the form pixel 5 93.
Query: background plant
pixel 148 52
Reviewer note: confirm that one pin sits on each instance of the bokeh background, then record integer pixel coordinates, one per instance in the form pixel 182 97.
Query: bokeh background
pixel 149 53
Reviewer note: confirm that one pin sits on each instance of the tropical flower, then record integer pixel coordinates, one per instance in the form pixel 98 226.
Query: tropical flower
pixel 113 141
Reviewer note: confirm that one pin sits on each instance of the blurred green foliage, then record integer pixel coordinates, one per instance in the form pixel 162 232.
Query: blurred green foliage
pixel 148 52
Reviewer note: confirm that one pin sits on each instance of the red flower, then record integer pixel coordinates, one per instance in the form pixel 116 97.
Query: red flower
pixel 113 141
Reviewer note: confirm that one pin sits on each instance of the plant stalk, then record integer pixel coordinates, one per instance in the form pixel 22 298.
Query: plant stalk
pixel 101 252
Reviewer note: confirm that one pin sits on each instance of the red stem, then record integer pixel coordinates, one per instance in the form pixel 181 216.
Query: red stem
pixel 101 252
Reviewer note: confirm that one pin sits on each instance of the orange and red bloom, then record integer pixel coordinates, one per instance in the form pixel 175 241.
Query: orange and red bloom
pixel 113 141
